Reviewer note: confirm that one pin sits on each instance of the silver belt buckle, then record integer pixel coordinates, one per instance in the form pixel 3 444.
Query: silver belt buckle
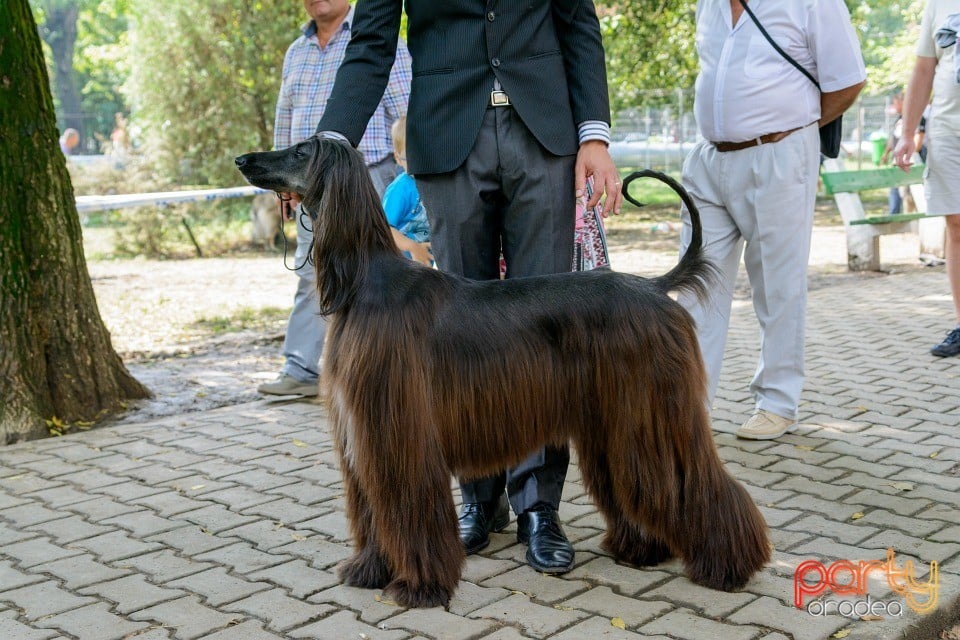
pixel 499 98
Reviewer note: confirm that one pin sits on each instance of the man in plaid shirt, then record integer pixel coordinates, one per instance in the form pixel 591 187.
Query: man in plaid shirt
pixel 309 69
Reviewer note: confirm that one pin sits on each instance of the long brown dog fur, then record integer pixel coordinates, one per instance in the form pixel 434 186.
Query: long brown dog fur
pixel 429 375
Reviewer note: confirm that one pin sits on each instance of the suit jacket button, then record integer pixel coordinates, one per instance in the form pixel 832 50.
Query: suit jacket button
pixel 495 62
pixel 491 16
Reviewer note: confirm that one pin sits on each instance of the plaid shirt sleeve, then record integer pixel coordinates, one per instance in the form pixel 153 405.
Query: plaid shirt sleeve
pixel 283 118
pixel 397 94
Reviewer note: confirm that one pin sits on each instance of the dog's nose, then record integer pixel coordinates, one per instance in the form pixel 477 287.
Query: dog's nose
pixel 240 160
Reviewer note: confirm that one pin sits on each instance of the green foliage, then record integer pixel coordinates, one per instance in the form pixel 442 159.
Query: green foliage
pixel 204 81
pixel 888 35
pixel 101 63
pixel 649 46
pixel 97 59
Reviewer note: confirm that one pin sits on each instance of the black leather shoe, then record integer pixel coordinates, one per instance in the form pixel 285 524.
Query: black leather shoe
pixel 549 550
pixel 478 519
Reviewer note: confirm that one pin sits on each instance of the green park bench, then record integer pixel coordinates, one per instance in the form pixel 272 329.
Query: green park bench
pixel 864 231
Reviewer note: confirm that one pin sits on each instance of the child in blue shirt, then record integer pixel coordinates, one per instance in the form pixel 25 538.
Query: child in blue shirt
pixel 401 202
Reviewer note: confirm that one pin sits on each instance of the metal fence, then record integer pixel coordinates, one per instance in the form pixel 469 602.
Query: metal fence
pixel 661 130
pixel 657 133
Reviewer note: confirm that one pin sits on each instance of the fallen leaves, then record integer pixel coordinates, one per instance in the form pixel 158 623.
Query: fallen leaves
pixel 901 486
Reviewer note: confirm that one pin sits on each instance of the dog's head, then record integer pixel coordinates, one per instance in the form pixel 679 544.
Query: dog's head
pixel 336 190
pixel 285 171
pixel 305 168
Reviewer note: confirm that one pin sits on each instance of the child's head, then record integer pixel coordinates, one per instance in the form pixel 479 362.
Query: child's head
pixel 399 133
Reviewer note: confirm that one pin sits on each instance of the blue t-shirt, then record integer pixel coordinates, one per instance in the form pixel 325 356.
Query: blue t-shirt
pixel 405 212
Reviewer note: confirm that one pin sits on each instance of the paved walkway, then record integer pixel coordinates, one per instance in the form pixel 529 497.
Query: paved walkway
pixel 228 524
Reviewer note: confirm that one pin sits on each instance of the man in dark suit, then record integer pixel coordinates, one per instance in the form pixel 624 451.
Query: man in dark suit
pixel 508 116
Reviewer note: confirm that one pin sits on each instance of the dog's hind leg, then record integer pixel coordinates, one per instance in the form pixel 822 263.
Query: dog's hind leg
pixel 725 539
pixel 679 490
pixel 625 539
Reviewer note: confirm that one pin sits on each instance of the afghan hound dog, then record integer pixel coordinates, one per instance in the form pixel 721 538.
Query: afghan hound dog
pixel 428 375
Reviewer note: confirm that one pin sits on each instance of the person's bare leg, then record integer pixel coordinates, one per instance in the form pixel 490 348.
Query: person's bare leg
pixel 953 260
pixel 951 344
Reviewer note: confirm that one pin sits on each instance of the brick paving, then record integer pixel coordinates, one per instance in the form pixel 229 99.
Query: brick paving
pixel 228 524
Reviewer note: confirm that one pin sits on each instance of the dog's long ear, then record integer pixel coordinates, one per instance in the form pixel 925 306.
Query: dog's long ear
pixel 348 222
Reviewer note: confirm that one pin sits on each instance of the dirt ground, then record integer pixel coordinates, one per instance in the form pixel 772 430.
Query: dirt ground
pixel 202 333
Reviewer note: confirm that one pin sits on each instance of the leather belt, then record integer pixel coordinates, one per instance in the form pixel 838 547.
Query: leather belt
pixel 499 98
pixel 768 138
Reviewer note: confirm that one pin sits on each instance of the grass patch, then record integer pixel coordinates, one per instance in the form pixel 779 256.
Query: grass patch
pixel 661 204
pixel 650 191
pixel 243 319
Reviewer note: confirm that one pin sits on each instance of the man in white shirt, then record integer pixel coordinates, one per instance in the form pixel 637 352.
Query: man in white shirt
pixel 754 176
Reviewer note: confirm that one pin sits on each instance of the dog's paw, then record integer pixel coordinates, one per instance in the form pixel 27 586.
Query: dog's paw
pixel 424 596
pixel 636 548
pixel 365 570
pixel 721 575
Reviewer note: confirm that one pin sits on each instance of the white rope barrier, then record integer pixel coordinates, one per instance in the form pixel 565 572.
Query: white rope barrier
pixel 86 204
pixel 162 198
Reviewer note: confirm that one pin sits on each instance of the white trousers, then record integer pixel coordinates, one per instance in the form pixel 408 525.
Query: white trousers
pixel 757 202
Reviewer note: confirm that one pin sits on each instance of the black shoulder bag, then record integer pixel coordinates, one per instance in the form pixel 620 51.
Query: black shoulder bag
pixel 829 133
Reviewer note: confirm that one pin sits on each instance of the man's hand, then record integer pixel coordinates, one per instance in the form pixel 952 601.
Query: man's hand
pixel 903 152
pixel 594 159
pixel 288 205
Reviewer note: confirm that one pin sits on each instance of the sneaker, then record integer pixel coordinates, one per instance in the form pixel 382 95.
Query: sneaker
pixel 286 385
pixel 763 425
pixel 950 345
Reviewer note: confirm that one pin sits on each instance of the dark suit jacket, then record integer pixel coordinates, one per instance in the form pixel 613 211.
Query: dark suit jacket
pixel 547 54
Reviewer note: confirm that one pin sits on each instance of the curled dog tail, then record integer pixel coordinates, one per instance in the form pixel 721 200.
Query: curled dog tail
pixel 694 272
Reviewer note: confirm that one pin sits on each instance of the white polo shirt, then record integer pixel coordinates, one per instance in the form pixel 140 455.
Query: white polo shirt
pixel 746 89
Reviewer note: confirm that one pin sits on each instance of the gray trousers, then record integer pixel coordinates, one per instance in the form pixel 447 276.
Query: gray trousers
pixel 509 195
pixel 306 328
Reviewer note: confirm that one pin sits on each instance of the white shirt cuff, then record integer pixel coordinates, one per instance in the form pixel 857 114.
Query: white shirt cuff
pixel 594 130
pixel 333 135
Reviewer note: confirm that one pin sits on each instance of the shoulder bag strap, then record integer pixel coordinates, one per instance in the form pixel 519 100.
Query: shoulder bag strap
pixel 776 46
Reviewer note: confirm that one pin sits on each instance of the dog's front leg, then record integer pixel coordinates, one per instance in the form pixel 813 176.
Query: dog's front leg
pixel 416 525
pixel 366 568
pixel 406 525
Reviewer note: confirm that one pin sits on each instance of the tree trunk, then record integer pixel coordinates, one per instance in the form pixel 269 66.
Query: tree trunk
pixel 60 33
pixel 56 359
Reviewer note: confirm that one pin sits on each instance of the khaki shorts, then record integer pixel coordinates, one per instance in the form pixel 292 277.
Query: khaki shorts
pixel 941 180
